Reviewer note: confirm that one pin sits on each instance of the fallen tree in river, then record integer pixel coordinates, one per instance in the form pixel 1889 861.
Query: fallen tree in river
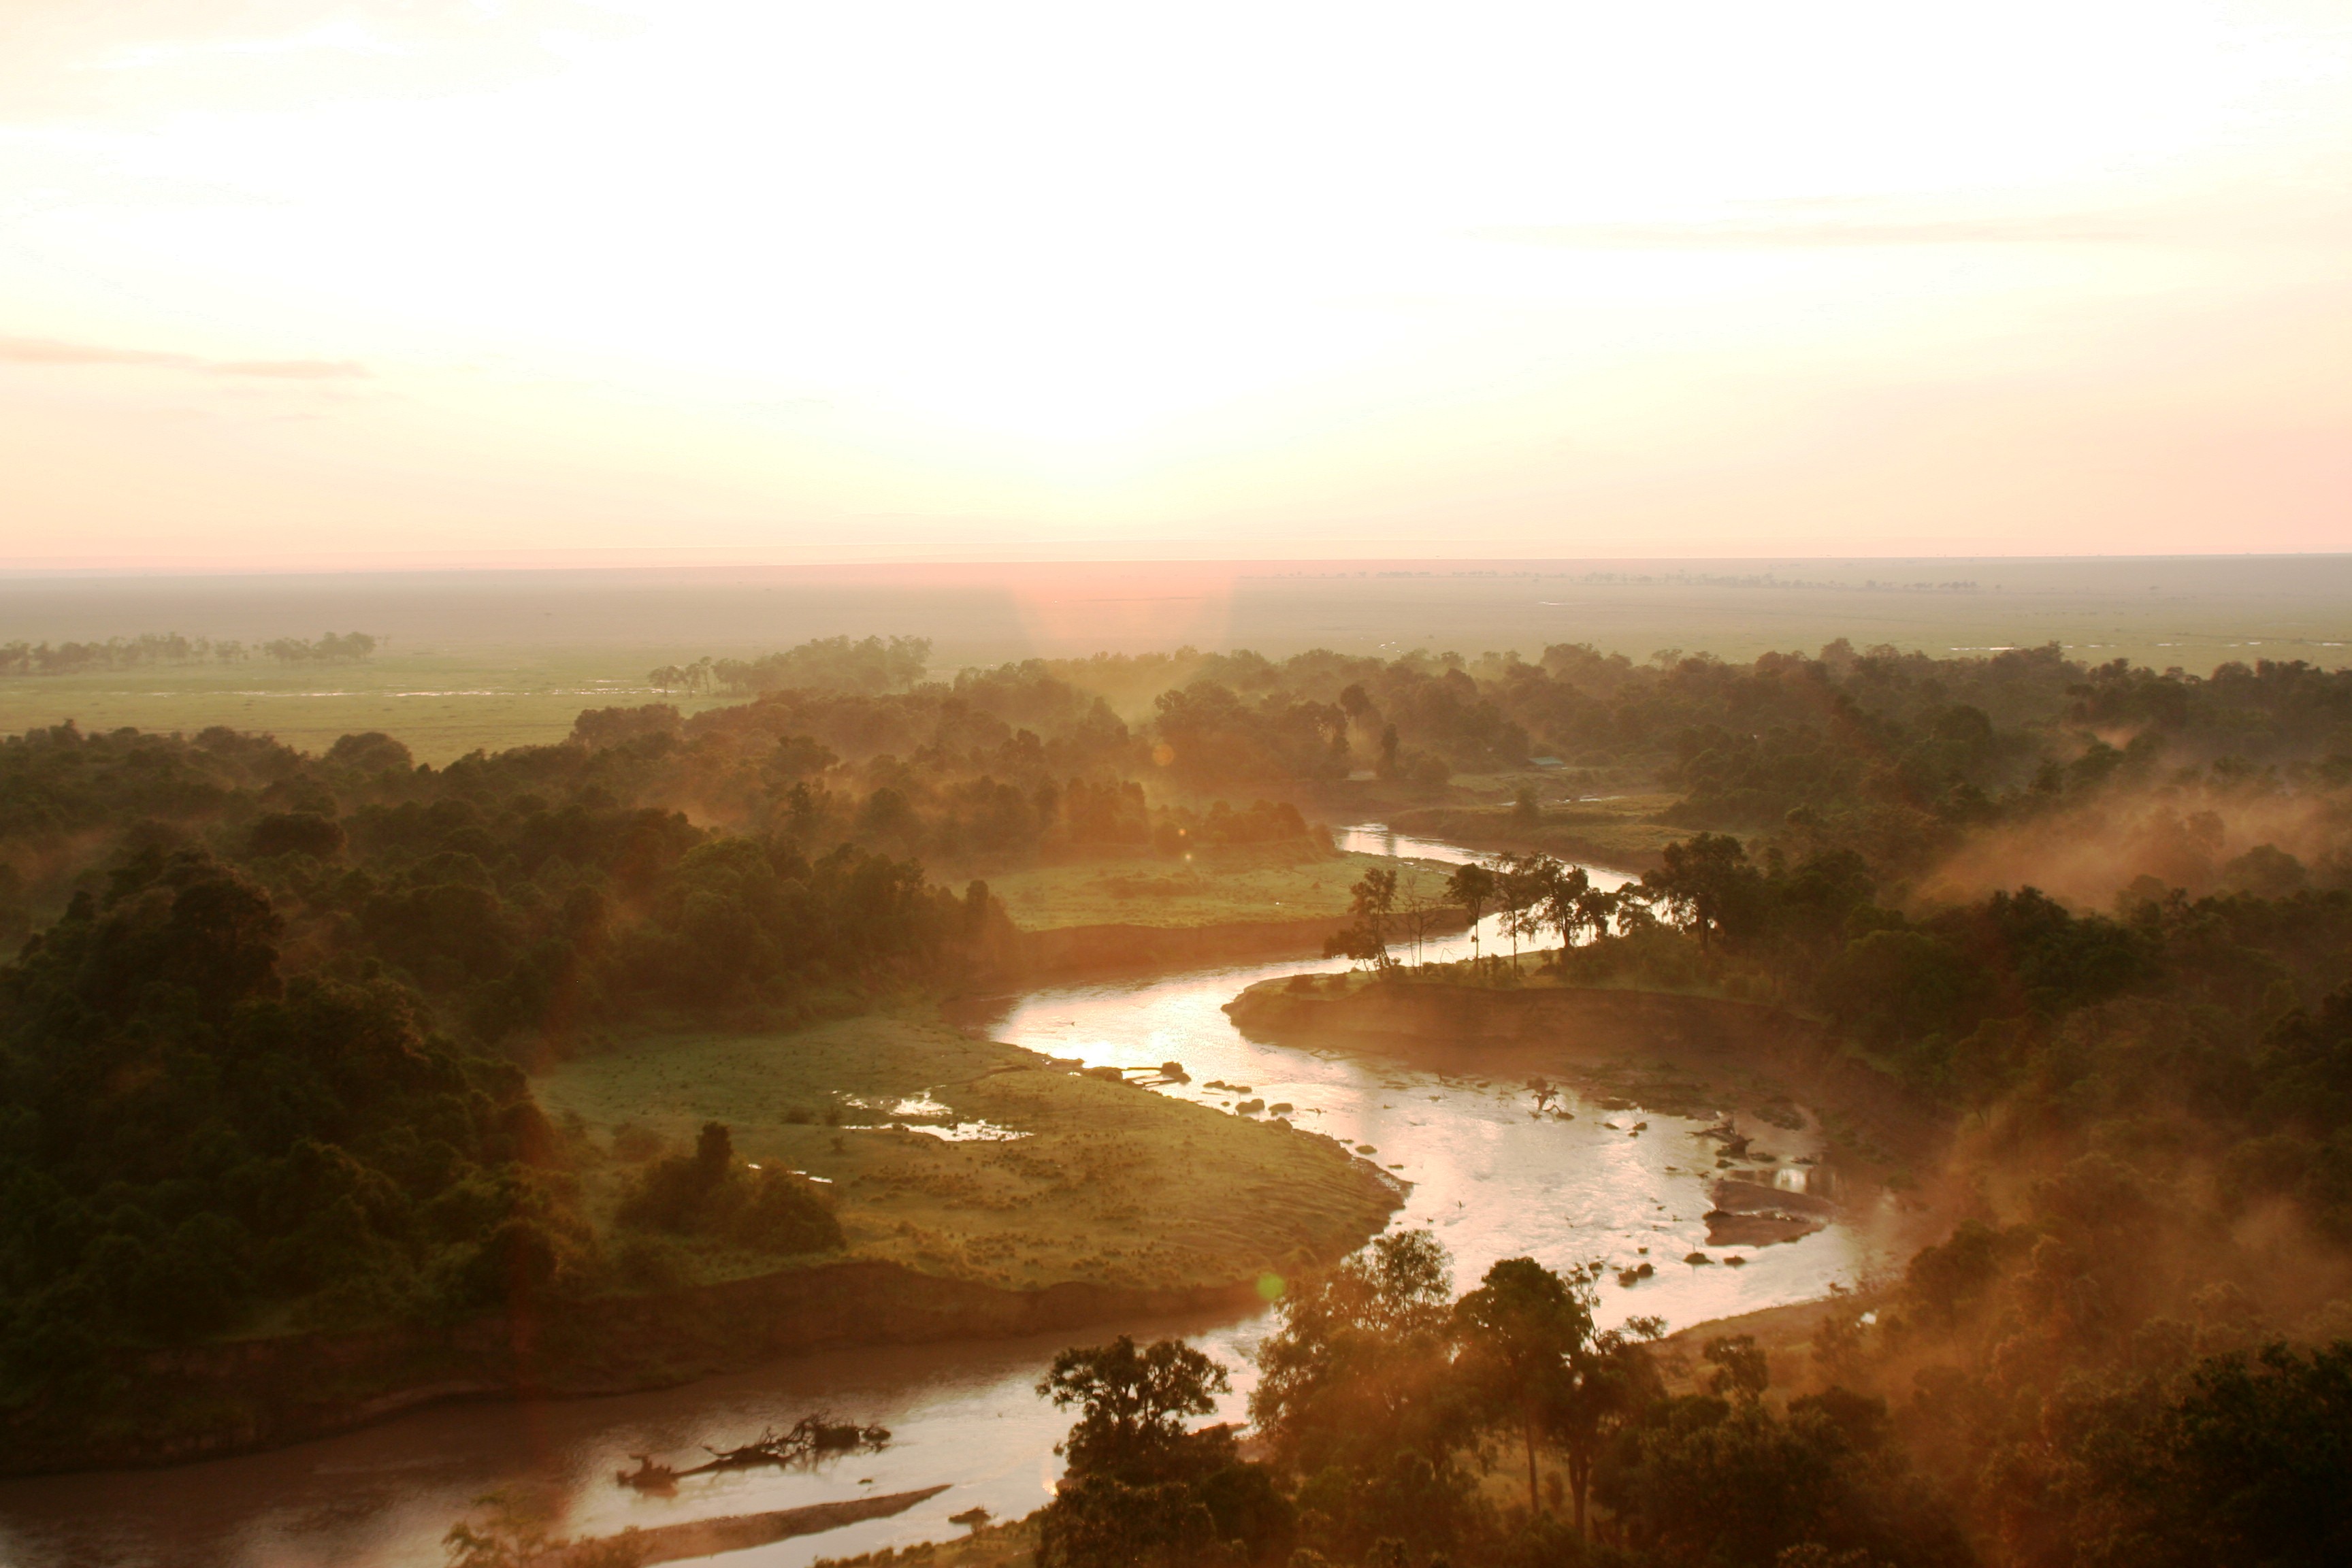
pixel 810 1438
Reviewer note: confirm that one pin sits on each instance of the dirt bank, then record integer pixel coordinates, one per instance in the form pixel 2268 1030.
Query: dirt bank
pixel 1785 1335
pixel 1037 955
pixel 1619 834
pixel 213 1400
pixel 1540 1029
pixel 736 1532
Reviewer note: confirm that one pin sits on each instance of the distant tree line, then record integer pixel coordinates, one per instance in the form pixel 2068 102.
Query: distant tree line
pixel 869 667
pixel 1899 757
pixel 150 648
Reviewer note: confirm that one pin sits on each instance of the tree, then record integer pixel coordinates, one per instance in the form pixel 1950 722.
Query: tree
pixel 1519 1329
pixel 1358 1370
pixel 1471 885
pixel 1418 907
pixel 1141 1490
pixel 1610 1381
pixel 2243 1463
pixel 1706 1480
pixel 1132 1404
pixel 1367 941
pixel 1523 884
pixel 1565 903
pixel 1705 883
pixel 1741 1369
pixel 1102 1522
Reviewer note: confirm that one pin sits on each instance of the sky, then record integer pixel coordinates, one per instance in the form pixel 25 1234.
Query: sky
pixel 294 282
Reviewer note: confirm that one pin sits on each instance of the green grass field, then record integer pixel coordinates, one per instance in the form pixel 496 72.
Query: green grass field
pixel 440 706
pixel 1107 1182
pixel 1273 882
pixel 1617 831
pixel 501 659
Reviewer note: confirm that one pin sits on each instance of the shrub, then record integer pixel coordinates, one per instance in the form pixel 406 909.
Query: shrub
pixel 711 1192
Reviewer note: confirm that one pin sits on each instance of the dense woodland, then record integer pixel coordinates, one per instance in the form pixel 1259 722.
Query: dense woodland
pixel 1386 1403
pixel 1904 758
pixel 264 1054
pixel 2137 1345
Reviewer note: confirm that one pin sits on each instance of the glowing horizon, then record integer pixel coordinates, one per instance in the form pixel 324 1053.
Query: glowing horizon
pixel 296 280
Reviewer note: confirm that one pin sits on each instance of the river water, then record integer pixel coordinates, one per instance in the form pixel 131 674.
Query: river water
pixel 1490 1178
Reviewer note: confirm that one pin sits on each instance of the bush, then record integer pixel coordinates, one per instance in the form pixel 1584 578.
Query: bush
pixel 781 1214
pixel 710 1193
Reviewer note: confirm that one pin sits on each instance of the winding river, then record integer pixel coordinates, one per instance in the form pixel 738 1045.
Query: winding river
pixel 1490 1179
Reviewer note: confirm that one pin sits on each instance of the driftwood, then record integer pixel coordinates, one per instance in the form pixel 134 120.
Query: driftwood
pixel 812 1437
pixel 737 1532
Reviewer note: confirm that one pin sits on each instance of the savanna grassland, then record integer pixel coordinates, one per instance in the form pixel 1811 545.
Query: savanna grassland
pixel 494 659
pixel 442 706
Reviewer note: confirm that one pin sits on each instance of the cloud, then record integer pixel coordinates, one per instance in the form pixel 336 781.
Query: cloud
pixel 51 352
pixel 2239 216
pixel 1754 235
pixel 70 59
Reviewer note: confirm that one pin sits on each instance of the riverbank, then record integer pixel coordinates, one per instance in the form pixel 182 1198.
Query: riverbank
pixel 1075 952
pixel 1789 1336
pixel 736 1532
pixel 1251 903
pixel 983 1191
pixel 234 1398
pixel 1687 1055
pixel 1622 831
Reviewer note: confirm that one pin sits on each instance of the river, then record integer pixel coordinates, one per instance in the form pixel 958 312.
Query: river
pixel 1490 1178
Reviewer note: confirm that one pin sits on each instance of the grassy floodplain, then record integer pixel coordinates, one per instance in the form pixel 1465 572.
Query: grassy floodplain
pixel 1103 1182
pixel 441 706
pixel 1253 882
pixel 1623 830
pixel 495 658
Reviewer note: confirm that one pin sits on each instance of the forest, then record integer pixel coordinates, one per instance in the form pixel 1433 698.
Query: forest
pixel 1386 1403
pixel 265 1051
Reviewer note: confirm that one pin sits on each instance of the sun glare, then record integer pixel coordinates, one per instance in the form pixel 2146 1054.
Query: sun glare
pixel 1102 259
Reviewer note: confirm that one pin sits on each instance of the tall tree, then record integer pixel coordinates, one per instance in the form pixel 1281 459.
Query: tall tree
pixel 1610 1381
pixel 1563 906
pixel 1472 887
pixel 1358 1370
pixel 1704 883
pixel 1132 1404
pixel 1520 1331
pixel 1373 906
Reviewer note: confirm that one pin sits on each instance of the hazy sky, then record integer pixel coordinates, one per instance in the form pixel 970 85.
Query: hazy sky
pixel 290 279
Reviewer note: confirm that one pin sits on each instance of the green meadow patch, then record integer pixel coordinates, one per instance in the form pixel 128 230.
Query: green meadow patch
pixel 1043 1176
pixel 1216 887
